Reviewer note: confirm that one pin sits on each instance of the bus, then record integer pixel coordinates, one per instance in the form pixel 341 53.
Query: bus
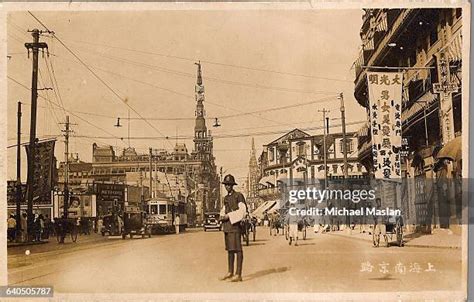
pixel 161 213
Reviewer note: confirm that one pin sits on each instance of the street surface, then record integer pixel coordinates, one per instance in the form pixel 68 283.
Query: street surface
pixel 193 262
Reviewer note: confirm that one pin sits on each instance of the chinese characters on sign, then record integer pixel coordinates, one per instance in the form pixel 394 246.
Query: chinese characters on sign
pixel 445 89
pixel 44 177
pixel 385 98
pixel 399 268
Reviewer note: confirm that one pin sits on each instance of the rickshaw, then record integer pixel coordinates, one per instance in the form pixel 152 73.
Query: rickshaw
pixel 64 226
pixel 134 224
pixel 393 228
pixel 302 226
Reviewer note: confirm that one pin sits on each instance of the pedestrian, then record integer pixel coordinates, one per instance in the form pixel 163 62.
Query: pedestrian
pixel 100 224
pixel 119 224
pixel 47 227
pixel 11 231
pixel 379 224
pixel 176 224
pixel 293 228
pixel 24 227
pixel 37 228
pixel 231 215
pixel 41 222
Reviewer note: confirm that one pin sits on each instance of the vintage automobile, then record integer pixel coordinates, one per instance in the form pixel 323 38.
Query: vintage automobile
pixel 211 221
pixel 111 225
pixel 134 223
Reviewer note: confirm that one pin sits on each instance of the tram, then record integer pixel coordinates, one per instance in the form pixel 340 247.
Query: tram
pixel 161 215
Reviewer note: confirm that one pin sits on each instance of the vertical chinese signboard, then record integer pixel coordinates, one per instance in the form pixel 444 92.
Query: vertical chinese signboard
pixel 445 88
pixel 385 100
pixel 44 173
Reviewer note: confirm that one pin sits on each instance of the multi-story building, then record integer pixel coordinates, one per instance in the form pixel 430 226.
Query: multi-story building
pixel 296 159
pixel 426 45
pixel 177 174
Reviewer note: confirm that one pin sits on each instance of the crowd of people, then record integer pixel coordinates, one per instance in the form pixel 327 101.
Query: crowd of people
pixel 43 227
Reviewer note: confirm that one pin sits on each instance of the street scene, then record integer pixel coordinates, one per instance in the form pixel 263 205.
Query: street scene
pixel 321 263
pixel 202 151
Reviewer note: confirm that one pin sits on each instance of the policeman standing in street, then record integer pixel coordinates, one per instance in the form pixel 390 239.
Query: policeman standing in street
pixel 232 213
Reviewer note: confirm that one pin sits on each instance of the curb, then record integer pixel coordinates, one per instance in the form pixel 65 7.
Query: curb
pixel 407 244
pixel 26 243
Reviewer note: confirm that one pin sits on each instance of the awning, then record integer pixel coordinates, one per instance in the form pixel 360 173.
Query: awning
pixel 275 207
pixel 267 205
pixel 452 150
pixel 423 102
pixel 454 49
pixel 266 180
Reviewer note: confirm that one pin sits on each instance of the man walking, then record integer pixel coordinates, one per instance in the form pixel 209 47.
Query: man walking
pixel 11 223
pixel 232 213
pixel 176 224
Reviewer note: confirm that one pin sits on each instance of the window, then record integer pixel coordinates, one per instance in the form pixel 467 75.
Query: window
pixel 301 149
pixel 162 209
pixel 349 146
pixel 271 155
pixel 153 209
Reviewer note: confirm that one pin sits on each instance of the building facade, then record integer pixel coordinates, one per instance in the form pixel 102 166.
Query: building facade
pixel 296 160
pixel 431 61
pixel 178 174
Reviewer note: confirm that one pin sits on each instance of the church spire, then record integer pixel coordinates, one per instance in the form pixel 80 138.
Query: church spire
pixel 202 139
pixel 199 75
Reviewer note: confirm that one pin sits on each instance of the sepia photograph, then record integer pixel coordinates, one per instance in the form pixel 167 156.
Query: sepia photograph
pixel 318 151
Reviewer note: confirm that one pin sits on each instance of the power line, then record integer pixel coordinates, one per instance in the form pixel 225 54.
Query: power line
pixel 229 135
pixel 124 101
pixel 216 63
pixel 189 97
pixel 77 116
pixel 190 75
pixel 55 83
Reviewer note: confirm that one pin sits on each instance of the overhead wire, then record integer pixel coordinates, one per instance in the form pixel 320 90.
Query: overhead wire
pixel 190 75
pixel 77 116
pixel 213 62
pixel 122 100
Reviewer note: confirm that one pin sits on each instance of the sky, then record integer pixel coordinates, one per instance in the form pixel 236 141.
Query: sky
pixel 253 61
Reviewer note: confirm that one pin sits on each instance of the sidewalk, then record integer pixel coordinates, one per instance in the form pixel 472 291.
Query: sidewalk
pixel 443 239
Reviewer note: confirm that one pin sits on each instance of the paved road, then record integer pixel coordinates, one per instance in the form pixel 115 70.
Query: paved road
pixel 193 261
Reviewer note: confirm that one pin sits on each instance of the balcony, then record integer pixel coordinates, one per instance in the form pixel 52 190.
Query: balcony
pixel 395 20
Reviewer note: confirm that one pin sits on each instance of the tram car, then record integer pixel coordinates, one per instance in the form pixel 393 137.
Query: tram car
pixel 161 215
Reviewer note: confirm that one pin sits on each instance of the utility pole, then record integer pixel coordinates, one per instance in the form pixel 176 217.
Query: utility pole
pixel 35 47
pixel 324 111
pixel 344 139
pixel 220 188
pixel 66 166
pixel 151 168
pixel 18 175
pixel 344 146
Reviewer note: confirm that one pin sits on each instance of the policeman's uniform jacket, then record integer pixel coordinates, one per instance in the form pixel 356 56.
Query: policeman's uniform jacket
pixel 236 208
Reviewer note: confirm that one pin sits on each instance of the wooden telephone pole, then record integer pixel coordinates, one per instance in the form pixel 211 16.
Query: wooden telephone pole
pixel 18 191
pixel 34 47
pixel 324 111
pixel 66 132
